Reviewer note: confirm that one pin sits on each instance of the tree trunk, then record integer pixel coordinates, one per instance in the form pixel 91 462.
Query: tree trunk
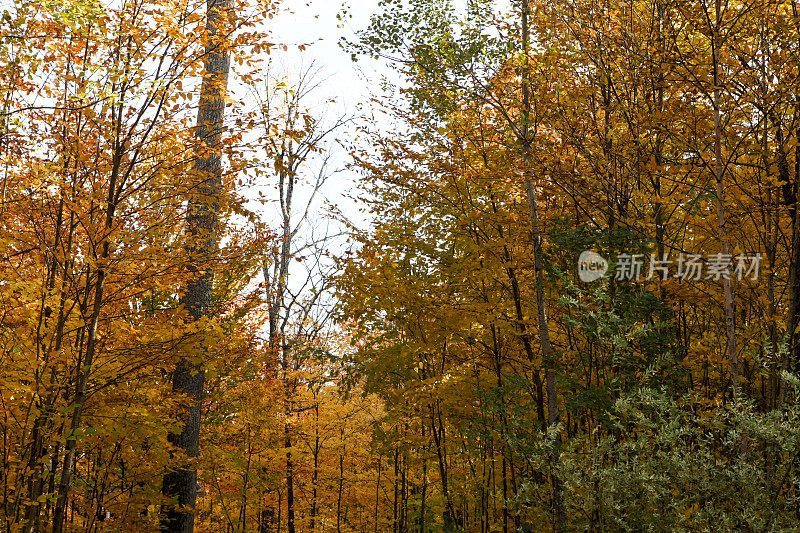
pixel 289 481
pixel 341 487
pixel 549 356
pixel 201 221
pixel 85 369
pixel 441 452
pixel 315 473
pixel 719 169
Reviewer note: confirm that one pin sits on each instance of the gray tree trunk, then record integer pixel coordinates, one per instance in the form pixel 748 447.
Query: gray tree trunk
pixel 549 355
pixel 201 222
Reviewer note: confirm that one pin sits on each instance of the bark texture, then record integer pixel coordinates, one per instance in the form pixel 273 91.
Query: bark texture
pixel 201 221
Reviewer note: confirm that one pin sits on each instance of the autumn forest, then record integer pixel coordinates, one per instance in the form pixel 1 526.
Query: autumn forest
pixel 544 277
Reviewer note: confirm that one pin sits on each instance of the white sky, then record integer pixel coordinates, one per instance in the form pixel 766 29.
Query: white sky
pixel 315 21
pixel 350 84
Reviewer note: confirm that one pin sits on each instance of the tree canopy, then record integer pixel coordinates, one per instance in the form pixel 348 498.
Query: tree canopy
pixel 569 301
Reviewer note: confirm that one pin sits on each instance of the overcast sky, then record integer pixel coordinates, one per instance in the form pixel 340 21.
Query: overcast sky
pixel 316 22
pixel 350 84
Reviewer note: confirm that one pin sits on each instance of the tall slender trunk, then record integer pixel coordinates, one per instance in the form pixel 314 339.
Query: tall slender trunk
pixel 395 521
pixel 341 485
pixel 793 313
pixel 287 434
pixel 201 221
pixel 792 356
pixel 246 481
pixel 44 420
pixel 658 155
pixel 424 476
pixel 377 491
pixel 79 401
pixel 549 356
pixel 719 170
pixel 315 473
pixel 289 481
pixel 79 398
pixel 441 452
